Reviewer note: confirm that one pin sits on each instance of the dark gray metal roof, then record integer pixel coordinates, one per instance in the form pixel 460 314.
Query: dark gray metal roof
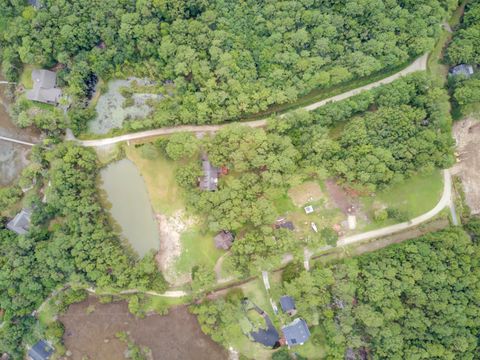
pixel 287 303
pixel 20 223
pixel 268 337
pixel 44 87
pixel 209 181
pixel 462 69
pixel 41 351
pixel 296 332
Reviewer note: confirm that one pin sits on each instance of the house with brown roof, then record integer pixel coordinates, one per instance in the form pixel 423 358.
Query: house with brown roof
pixel 224 240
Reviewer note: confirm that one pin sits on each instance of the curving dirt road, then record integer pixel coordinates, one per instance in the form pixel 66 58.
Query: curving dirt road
pixel 446 200
pixel 419 64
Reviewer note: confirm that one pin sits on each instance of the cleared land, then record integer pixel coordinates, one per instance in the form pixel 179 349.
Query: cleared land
pixel 467 135
pixel 173 336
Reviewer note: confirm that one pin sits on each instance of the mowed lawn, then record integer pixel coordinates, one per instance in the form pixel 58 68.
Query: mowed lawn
pixel 159 176
pixel 166 197
pixel 414 196
pixel 198 249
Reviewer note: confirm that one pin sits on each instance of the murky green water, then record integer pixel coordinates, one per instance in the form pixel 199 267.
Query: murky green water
pixel 131 207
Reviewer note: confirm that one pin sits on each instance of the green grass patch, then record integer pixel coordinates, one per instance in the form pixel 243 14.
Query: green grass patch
pixel 26 77
pixel 197 249
pixel 314 348
pixel 435 63
pixel 159 175
pixel 161 304
pixel 415 196
pixel 48 313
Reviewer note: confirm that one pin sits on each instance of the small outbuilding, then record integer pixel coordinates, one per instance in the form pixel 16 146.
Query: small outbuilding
pixel 288 305
pixel 44 87
pixel 42 350
pixel 296 333
pixel 308 209
pixel 224 240
pixel 284 224
pixel 462 69
pixel 209 180
pixel 20 223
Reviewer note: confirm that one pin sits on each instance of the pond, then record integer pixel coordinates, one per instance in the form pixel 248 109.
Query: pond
pixel 130 205
pixel 111 111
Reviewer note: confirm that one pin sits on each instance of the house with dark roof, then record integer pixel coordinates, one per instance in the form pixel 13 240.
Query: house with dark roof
pixel 224 240
pixel 40 351
pixel 288 305
pixel 462 69
pixel 35 3
pixel 209 180
pixel 296 333
pixel 44 87
pixel 20 223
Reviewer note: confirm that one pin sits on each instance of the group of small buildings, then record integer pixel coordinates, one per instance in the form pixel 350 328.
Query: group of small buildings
pixel 294 333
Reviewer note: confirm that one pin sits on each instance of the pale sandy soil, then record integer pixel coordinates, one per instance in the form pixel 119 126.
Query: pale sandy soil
pixel 170 229
pixel 467 136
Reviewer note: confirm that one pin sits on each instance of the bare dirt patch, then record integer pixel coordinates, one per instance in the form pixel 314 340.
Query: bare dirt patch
pixel 304 193
pixel 467 136
pixel 170 229
pixel 173 336
pixel 342 200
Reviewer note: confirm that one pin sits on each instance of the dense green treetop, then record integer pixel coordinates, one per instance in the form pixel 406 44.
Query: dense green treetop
pixel 226 58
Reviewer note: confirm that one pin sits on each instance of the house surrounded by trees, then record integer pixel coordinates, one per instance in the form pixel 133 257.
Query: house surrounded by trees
pixel 42 350
pixel 462 69
pixel 296 333
pixel 44 87
pixel 20 223
pixel 209 180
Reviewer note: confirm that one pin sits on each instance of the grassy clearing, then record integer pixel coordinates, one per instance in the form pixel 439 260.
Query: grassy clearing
pixel 256 293
pixel 199 249
pixel 159 176
pixel 161 304
pixel 435 64
pixel 324 214
pixel 414 196
pixel 314 348
pixel 26 77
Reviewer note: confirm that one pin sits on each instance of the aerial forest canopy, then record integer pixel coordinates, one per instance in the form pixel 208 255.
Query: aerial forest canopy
pixel 465 49
pixel 69 242
pixel 226 58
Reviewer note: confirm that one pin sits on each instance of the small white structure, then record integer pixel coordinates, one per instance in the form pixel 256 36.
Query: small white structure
pixel 314 227
pixel 266 282
pixel 308 209
pixel 352 222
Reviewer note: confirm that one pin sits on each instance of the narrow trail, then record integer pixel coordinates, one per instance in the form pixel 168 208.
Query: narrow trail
pixel 445 201
pixel 4 138
pixel 419 64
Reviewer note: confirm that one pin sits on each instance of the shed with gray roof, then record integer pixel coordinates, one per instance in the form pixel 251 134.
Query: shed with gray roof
pixel 296 333
pixel 40 351
pixel 44 87
pixel 209 180
pixel 462 69
pixel 288 305
pixel 21 222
